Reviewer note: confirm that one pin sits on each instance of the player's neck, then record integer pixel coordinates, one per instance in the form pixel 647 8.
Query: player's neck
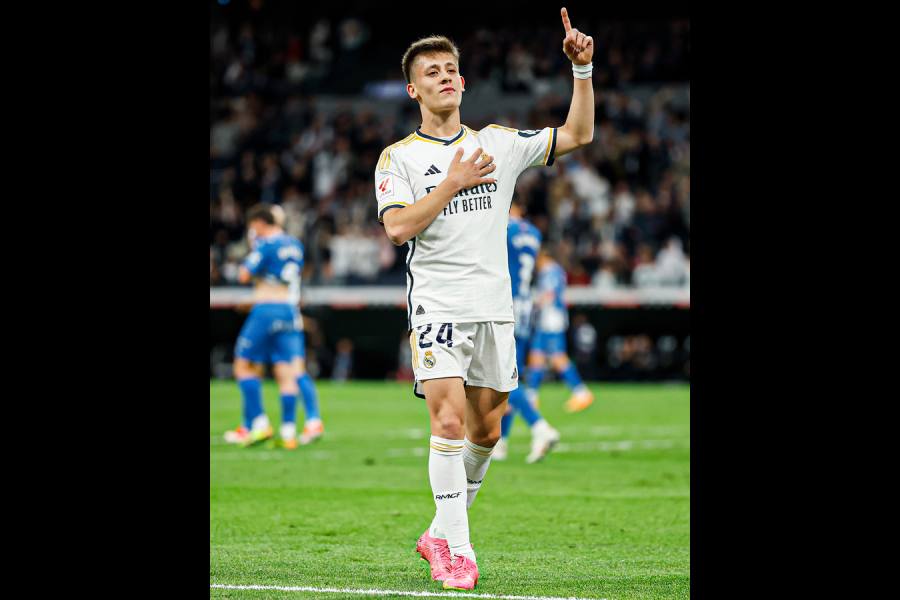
pixel 440 125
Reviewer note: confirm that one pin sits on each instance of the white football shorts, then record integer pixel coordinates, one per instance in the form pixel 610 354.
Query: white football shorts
pixel 482 354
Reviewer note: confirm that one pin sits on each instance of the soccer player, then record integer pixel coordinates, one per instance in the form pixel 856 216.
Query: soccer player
pixel 313 428
pixel 549 338
pixel 445 191
pixel 523 241
pixel 272 331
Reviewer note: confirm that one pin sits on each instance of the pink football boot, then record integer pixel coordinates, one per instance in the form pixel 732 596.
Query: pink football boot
pixel 463 575
pixel 437 553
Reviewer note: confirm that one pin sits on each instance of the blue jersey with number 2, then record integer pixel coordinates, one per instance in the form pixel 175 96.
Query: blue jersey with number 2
pixel 278 259
pixel 523 240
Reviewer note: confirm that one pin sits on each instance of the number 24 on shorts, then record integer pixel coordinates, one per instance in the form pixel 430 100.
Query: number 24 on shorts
pixel 445 330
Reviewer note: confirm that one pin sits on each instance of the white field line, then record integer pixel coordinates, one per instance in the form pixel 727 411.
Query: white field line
pixel 376 592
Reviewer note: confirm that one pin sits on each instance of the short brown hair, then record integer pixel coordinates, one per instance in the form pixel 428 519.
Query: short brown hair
pixel 261 212
pixel 428 45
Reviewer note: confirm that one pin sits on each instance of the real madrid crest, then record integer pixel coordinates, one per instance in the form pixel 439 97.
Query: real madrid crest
pixel 428 361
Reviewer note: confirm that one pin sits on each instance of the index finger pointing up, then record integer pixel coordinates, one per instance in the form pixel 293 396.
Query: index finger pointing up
pixel 565 18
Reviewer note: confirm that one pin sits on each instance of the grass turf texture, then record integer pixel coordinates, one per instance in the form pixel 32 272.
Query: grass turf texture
pixel 605 516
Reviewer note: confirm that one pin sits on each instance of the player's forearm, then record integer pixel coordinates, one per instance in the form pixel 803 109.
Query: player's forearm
pixel 403 224
pixel 580 120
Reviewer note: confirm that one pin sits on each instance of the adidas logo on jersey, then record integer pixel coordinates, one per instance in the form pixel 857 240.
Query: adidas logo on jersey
pixel 515 372
pixel 433 170
pixel 420 310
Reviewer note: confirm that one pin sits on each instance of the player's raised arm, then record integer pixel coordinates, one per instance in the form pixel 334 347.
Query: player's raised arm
pixel 579 127
pixel 403 224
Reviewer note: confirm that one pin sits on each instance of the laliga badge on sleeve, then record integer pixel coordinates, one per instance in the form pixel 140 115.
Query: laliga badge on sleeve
pixel 385 187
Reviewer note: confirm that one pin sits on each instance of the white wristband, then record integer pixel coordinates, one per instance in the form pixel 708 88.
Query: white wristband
pixel 582 71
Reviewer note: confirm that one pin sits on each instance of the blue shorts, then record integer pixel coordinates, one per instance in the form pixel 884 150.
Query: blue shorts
pixel 271 334
pixel 549 343
pixel 521 354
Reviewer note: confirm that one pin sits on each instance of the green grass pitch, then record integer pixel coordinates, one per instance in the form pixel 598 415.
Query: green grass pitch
pixel 605 516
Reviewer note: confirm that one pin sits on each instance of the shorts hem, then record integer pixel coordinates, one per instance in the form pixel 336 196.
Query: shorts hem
pixel 502 389
pixel 417 381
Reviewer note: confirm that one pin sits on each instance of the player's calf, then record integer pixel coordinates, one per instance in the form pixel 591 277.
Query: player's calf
pixel 286 375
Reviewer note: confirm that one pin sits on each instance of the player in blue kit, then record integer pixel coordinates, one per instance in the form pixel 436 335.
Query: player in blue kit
pixel 272 332
pixel 313 429
pixel 549 337
pixel 523 241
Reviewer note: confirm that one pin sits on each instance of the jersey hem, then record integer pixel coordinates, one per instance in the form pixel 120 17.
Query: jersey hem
pixel 445 318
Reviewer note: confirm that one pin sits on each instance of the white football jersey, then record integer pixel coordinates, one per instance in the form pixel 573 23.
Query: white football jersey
pixel 456 268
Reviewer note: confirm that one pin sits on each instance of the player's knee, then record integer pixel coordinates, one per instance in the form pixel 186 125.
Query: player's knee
pixel 288 387
pixel 451 429
pixel 449 425
pixel 536 361
pixel 286 376
pixel 490 440
pixel 560 362
pixel 243 369
pixel 487 438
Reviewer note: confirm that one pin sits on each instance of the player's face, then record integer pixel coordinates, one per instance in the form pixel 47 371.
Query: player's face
pixel 436 82
pixel 257 226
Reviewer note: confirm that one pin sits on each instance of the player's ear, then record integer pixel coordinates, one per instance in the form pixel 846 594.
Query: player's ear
pixel 463 80
pixel 411 90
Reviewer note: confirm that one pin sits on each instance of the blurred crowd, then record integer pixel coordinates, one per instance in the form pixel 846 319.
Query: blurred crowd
pixel 616 213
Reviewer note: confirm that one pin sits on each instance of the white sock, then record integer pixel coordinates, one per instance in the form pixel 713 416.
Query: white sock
pixel 448 486
pixel 477 459
pixel 540 426
pixel 288 431
pixel 435 531
pixel 260 423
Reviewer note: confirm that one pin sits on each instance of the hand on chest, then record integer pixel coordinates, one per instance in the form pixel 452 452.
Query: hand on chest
pixel 429 166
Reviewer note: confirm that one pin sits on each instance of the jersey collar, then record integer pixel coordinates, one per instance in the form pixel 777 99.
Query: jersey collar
pixel 446 142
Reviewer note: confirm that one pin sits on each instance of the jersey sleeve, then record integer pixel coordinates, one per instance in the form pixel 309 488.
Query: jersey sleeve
pixel 535 148
pixel 529 148
pixel 254 260
pixel 392 188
